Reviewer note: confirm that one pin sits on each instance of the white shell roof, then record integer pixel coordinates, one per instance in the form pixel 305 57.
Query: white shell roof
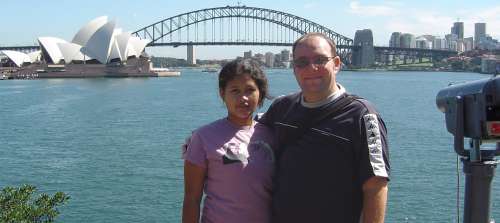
pixel 51 47
pixel 71 51
pixel 122 40
pixel 17 57
pixel 115 52
pixel 131 51
pixel 35 56
pixel 100 43
pixel 138 44
pixel 98 39
pixel 84 34
pixel 115 49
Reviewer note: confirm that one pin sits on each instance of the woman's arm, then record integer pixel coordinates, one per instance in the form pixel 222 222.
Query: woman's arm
pixel 194 181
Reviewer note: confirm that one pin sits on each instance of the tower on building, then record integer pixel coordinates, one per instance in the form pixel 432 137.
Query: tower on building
pixel 458 29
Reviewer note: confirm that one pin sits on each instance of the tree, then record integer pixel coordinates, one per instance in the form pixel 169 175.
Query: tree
pixel 18 205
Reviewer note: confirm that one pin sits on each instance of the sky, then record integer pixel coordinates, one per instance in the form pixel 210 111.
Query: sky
pixel 23 21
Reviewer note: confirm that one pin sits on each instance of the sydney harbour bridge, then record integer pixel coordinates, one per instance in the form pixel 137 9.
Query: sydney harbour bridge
pixel 242 25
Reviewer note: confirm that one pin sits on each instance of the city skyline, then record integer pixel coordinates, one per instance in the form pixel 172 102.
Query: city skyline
pixel 62 19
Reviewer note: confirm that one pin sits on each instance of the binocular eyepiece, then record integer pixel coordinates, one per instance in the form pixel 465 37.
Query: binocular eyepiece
pixel 472 110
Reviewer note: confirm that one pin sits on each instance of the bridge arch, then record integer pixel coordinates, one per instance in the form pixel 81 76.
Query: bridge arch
pixel 157 32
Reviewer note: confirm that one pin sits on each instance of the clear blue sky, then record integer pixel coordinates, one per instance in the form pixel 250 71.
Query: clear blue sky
pixel 25 20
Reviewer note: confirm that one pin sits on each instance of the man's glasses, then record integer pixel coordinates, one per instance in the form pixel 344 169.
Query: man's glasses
pixel 302 62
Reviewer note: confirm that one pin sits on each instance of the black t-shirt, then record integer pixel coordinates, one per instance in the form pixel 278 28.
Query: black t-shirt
pixel 320 173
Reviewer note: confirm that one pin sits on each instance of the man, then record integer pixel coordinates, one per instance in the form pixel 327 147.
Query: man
pixel 332 164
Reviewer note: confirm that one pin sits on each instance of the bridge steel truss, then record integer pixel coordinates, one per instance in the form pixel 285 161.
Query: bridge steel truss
pixel 254 26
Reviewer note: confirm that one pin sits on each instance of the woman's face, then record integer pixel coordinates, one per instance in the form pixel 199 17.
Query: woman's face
pixel 241 96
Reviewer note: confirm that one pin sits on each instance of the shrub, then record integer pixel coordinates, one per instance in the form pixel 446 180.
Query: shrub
pixel 19 205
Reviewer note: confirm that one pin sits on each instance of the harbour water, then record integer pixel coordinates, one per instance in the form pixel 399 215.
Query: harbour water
pixel 113 144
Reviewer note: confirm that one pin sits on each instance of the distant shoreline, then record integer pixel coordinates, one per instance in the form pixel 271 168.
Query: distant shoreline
pixel 410 70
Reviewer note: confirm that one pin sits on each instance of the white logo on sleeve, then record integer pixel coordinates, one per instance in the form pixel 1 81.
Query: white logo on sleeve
pixel 374 142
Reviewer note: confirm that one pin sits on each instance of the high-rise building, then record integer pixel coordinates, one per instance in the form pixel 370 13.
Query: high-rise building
pixel 458 29
pixel 479 33
pixel 395 40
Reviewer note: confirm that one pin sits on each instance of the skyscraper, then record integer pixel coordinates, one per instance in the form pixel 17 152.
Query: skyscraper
pixel 479 33
pixel 458 29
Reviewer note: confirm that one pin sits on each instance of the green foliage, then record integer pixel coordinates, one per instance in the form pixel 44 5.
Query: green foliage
pixel 18 205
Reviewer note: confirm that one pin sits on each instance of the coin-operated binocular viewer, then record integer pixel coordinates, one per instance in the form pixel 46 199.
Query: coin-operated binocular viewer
pixel 472 110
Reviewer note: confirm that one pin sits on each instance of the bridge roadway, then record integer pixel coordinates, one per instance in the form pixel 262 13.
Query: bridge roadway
pixel 378 49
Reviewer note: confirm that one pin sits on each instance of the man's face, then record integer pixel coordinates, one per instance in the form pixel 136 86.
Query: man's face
pixel 316 75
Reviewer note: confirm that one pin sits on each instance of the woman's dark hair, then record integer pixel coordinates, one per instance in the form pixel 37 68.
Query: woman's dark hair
pixel 241 67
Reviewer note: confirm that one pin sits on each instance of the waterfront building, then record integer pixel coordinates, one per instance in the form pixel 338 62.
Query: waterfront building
pixel 395 40
pixel 407 40
pixel 99 49
pixel 99 41
pixel 453 45
pixel 458 29
pixel 277 60
pixel 285 55
pixel 247 54
pixel 269 59
pixel 479 33
pixel 451 40
pixel 460 45
pixel 488 43
pixel 489 64
pixel 439 43
pixel 468 44
pixel 422 42
pixel 260 57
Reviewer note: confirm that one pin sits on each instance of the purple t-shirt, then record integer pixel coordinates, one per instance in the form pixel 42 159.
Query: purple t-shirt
pixel 240 165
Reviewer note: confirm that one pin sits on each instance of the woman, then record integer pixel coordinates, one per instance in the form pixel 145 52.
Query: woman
pixel 231 159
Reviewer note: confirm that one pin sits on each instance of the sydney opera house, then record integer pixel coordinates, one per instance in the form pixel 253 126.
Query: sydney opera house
pixel 98 49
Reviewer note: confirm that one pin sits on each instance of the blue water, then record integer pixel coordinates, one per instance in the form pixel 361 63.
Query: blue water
pixel 113 144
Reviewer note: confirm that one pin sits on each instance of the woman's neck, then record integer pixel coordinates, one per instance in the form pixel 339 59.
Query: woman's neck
pixel 240 122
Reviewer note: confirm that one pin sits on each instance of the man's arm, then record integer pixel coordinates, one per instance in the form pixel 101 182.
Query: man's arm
pixel 374 199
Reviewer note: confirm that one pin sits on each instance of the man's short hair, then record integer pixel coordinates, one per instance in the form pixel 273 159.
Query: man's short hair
pixel 315 34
